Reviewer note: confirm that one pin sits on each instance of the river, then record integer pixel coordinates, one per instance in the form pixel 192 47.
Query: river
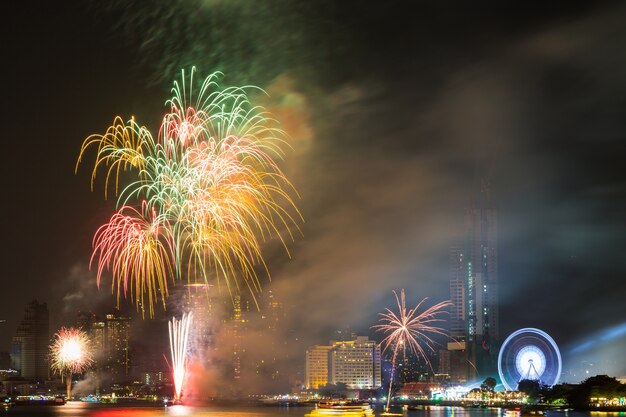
pixel 83 409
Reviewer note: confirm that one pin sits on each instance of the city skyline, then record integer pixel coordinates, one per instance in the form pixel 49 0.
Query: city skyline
pixel 395 124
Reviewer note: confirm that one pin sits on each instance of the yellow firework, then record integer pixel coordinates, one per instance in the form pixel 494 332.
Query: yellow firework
pixel 207 193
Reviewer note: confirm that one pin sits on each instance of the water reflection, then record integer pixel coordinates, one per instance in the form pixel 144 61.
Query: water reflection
pixel 83 409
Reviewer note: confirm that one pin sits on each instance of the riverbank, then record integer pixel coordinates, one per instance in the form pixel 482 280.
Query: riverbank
pixel 420 404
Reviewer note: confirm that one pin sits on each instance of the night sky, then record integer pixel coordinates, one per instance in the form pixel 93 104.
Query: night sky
pixel 396 111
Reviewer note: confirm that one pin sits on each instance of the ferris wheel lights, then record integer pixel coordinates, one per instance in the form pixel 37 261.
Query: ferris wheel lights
pixel 529 353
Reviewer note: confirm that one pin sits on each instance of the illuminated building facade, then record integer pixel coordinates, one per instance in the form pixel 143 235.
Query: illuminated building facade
pixel 197 299
pixel 356 363
pixel 316 366
pixel 419 390
pixel 238 321
pixel 116 347
pixel 110 340
pixel 30 345
pixel 457 293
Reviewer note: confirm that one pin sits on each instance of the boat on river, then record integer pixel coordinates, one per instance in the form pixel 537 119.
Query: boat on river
pixel 341 408
pixel 38 400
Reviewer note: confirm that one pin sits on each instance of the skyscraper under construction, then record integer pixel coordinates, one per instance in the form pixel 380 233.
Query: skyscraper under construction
pixel 474 324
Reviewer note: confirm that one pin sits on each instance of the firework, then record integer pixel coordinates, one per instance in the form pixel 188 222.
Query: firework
pixel 208 192
pixel 410 329
pixel 179 332
pixel 131 245
pixel 70 353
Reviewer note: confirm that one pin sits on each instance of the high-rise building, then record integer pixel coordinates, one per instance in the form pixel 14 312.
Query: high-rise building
pixel 30 345
pixel 95 327
pixel 116 347
pixel 272 333
pixel 481 275
pixel 474 318
pixel 316 366
pixel 110 342
pixel 457 292
pixel 198 300
pixel 356 363
pixel 238 327
pixel 273 312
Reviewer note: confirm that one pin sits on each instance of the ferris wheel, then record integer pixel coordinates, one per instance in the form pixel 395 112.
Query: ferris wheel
pixel 529 354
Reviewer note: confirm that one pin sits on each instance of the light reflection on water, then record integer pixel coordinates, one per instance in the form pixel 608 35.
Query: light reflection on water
pixel 80 409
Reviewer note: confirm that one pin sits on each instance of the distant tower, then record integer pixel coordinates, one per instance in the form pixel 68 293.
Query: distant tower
pixel 473 270
pixel 274 312
pixel 116 346
pixel 30 345
pixel 483 320
pixel 238 329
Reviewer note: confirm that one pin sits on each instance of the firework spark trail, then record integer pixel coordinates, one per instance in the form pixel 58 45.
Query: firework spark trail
pixel 410 329
pixel 131 245
pixel 210 189
pixel 70 353
pixel 179 333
